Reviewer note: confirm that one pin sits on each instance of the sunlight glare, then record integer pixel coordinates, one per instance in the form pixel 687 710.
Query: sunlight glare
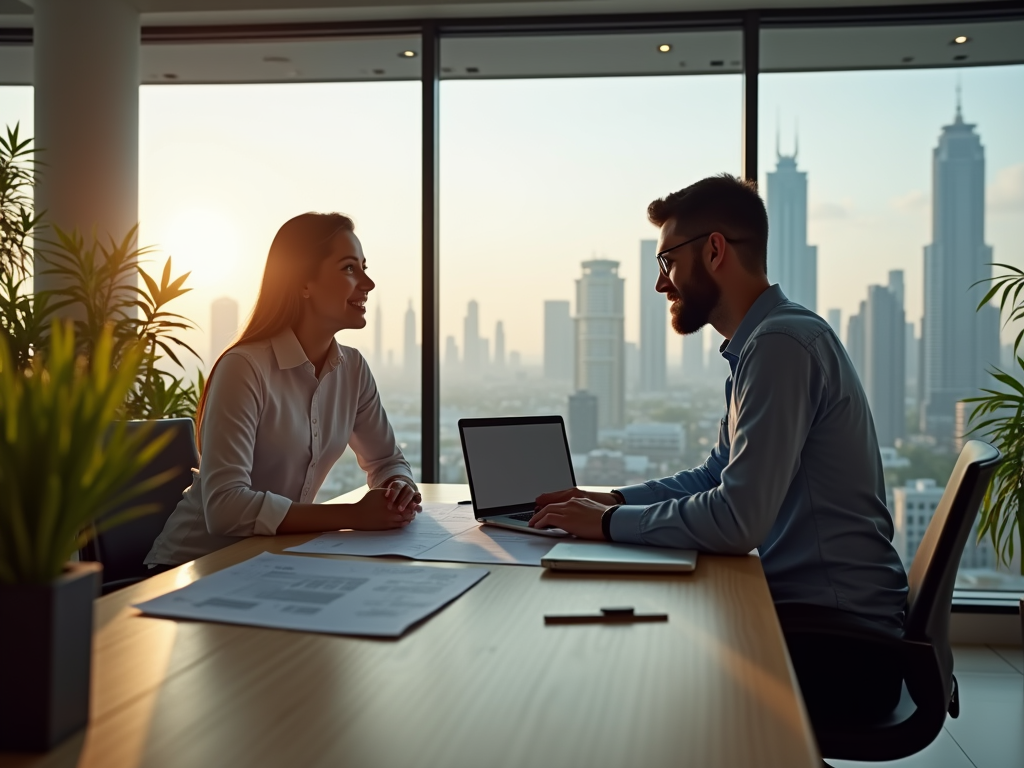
pixel 204 243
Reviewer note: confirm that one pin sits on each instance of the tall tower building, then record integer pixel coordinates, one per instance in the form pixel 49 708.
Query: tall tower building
pixel 653 309
pixel 451 356
pixel 835 321
pixel 499 346
pixel 792 263
pixel 558 341
pixel 378 338
pixel 600 342
pixel 958 343
pixel 693 356
pixel 471 356
pixel 582 422
pixel 410 359
pixel 885 365
pixel 223 326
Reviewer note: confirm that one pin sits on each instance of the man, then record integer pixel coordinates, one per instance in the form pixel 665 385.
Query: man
pixel 796 471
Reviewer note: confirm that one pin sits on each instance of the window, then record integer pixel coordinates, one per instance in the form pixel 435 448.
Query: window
pixel 906 180
pixel 550 153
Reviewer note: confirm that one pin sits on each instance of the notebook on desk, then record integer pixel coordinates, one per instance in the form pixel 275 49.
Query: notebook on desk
pixel 623 558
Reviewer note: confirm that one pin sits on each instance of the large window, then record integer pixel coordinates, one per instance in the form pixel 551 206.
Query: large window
pixel 890 193
pixel 547 259
pixel 224 166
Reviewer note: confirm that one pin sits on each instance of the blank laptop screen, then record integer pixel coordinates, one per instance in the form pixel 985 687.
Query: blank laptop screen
pixel 514 464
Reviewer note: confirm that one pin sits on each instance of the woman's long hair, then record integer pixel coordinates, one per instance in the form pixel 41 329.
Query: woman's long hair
pixel 299 247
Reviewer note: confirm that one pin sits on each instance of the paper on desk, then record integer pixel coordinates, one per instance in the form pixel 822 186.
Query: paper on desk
pixel 447 532
pixel 435 524
pixel 341 597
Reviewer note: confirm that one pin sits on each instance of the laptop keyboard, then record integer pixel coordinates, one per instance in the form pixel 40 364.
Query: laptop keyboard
pixel 522 516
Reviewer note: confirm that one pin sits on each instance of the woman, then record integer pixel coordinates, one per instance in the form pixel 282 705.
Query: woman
pixel 283 402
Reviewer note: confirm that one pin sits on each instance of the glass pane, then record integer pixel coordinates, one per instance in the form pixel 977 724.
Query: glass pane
pixel 903 187
pixel 547 257
pixel 224 166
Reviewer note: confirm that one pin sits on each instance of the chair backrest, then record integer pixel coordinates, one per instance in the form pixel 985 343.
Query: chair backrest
pixel 933 572
pixel 123 548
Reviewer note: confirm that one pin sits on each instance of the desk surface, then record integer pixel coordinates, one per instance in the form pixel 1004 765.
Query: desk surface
pixel 483 682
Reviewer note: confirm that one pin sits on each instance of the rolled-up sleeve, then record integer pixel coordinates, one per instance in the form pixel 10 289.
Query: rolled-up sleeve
pixel 230 422
pixel 373 439
pixel 777 389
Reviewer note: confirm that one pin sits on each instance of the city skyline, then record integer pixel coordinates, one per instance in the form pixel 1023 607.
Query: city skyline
pixel 792 263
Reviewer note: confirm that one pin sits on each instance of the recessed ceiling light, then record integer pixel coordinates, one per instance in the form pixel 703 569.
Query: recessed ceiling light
pixel 961 39
pixel 407 55
pixel 664 48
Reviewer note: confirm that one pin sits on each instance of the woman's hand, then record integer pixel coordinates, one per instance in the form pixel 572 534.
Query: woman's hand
pixel 401 492
pixel 377 512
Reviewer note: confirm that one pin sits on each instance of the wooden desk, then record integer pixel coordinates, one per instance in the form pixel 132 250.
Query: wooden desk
pixel 482 683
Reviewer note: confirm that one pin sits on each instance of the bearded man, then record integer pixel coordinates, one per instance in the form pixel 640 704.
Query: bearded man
pixel 796 472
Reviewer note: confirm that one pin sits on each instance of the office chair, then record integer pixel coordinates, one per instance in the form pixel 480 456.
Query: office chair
pixel 122 549
pixel 929 688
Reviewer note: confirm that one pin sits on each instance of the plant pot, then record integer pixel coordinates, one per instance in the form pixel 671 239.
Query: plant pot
pixel 45 658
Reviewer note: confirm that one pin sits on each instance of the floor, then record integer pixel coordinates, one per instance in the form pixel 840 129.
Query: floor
pixel 990 730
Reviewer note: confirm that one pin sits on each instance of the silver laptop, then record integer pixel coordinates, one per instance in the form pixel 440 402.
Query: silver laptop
pixel 512 461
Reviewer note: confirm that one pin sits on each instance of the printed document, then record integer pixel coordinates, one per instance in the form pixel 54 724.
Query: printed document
pixel 343 597
pixel 447 532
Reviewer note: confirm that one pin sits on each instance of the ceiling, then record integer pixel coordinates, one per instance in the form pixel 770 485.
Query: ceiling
pixel 176 59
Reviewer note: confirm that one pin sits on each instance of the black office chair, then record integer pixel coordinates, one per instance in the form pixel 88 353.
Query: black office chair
pixel 122 549
pixel 929 688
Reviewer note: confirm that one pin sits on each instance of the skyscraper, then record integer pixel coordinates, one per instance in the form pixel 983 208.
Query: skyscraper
pixel 958 343
pixel 600 342
pixel 885 366
pixel 223 326
pixel 471 339
pixel 582 422
pixel 451 355
pixel 653 308
pixel 835 320
pixel 410 359
pixel 791 261
pixel 378 338
pixel 499 346
pixel 558 341
pixel 693 356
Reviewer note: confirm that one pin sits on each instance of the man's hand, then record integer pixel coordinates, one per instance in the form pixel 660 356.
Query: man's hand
pixel 580 515
pixel 556 497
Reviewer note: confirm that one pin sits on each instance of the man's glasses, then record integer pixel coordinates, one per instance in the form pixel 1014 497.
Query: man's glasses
pixel 664 264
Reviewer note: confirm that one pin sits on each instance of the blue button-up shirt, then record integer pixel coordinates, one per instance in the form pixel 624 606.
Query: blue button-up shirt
pixel 796 473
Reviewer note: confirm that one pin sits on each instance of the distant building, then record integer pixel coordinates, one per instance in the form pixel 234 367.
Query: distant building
pixel 959 343
pixel 913 352
pixel 884 361
pixel 791 261
pixel 559 344
pixel 693 357
pixel 915 505
pixel 378 338
pixel 855 339
pixel 451 355
pixel 835 320
pixel 633 357
pixel 658 442
pixel 223 326
pixel 499 346
pixel 600 346
pixel 653 319
pixel 471 352
pixel 583 422
pixel 515 360
pixel 410 356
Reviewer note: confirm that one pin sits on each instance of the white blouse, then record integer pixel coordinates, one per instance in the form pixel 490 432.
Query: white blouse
pixel 271 432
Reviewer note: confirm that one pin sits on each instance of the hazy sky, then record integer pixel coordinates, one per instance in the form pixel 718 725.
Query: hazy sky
pixel 539 175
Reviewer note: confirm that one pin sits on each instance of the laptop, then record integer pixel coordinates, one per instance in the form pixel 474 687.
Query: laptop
pixel 512 461
pixel 626 558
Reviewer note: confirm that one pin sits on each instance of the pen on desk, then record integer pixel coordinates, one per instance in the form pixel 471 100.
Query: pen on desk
pixel 606 616
pixel 467 501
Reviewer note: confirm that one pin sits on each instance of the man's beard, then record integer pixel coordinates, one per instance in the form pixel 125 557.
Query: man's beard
pixel 698 299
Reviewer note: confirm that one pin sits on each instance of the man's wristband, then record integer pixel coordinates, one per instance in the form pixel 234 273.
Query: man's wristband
pixel 606 522
pixel 618 495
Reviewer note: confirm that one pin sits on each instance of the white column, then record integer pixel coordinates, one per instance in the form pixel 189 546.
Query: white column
pixel 86 55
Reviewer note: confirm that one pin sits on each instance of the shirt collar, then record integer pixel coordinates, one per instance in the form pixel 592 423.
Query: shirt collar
pixel 769 299
pixel 289 352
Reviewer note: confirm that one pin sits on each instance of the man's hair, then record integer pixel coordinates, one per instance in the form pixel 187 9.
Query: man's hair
pixel 722 204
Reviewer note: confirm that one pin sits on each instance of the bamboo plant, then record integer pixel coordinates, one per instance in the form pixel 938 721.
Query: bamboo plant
pixel 998 416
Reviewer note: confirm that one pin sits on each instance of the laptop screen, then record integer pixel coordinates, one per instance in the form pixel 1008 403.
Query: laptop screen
pixel 512 464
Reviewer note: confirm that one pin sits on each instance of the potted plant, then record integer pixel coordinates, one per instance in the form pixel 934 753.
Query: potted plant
pixel 65 460
pixel 998 415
